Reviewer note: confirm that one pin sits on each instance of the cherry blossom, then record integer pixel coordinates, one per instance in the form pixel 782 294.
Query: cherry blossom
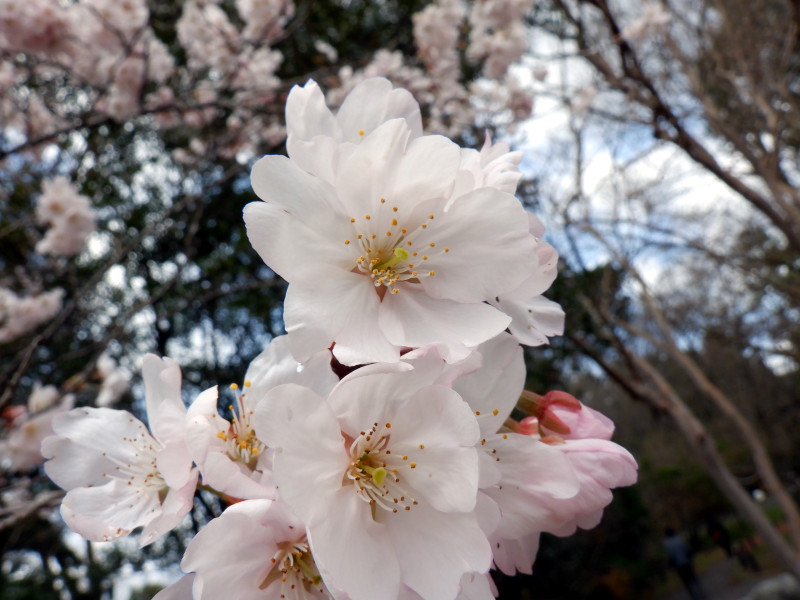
pixel 21 314
pixel 69 215
pixel 393 457
pixel 20 451
pixel 230 456
pixel 267 548
pixel 537 486
pixel 119 476
pixel 376 255
pixel 115 380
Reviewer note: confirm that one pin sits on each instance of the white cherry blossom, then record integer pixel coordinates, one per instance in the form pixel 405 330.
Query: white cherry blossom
pixel 387 462
pixel 376 256
pixel 230 456
pixel 256 550
pixel 118 475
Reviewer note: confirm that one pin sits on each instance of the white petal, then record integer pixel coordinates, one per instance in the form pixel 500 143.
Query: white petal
pixel 533 320
pixel 180 590
pixel 353 550
pixel 486 233
pixel 319 156
pixel 371 103
pixel 378 394
pixel 336 306
pixel 427 170
pixel 276 366
pixel 363 177
pixel 412 318
pixel 307 115
pixel 494 389
pixel 436 429
pixel 175 464
pixel 162 392
pixel 176 505
pixel 436 549
pixel 90 442
pixel 310 451
pixel 108 511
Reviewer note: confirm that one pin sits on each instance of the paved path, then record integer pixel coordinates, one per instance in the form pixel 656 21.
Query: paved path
pixel 725 580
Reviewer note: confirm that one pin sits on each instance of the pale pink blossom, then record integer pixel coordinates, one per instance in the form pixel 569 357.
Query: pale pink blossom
pixel 392 455
pixel 436 32
pixel 376 256
pixel 498 36
pixel 33 26
pixel 42 397
pixel 21 314
pixel 116 380
pixel 230 456
pixel 256 550
pixel 21 450
pixel 118 475
pixel 160 63
pixel 521 477
pixel 264 19
pixel 534 318
pixel 68 213
pixel 126 17
pixel 208 36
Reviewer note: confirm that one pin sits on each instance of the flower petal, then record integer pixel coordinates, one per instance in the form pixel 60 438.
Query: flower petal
pixel 310 451
pixel 368 568
pixel 276 366
pixel 486 233
pixel 493 390
pixel 413 318
pixel 373 102
pixel 436 549
pixel 162 392
pixel 341 306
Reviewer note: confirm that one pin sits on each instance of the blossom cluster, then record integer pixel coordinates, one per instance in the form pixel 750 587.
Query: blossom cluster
pixel 225 64
pixel 21 314
pixel 370 453
pixel 69 216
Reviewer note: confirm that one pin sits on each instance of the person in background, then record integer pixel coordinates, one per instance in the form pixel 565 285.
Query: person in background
pixel 680 558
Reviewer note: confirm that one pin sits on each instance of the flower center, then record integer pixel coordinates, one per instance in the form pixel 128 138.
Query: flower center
pixel 294 566
pixel 141 473
pixel 376 474
pixel 240 439
pixel 390 253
